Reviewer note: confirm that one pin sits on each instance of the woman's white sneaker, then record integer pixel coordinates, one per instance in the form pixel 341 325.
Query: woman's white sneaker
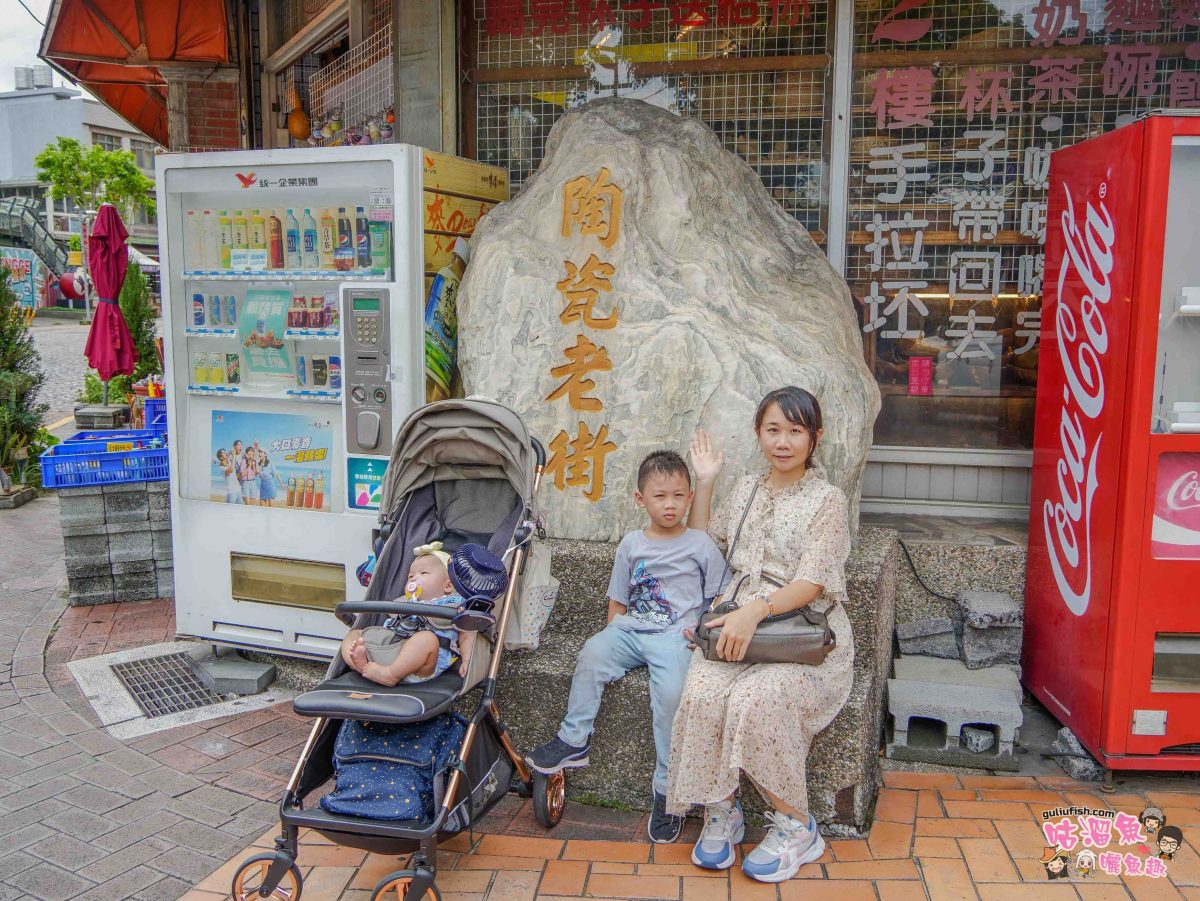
pixel 789 845
pixel 724 828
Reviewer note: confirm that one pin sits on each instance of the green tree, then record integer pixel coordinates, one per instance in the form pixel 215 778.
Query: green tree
pixel 141 318
pixel 21 378
pixel 94 176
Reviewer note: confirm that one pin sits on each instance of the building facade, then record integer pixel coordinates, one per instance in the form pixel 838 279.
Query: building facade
pixel 32 118
pixel 911 137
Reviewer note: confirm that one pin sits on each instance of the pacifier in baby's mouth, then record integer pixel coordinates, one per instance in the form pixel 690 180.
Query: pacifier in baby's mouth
pixel 412 590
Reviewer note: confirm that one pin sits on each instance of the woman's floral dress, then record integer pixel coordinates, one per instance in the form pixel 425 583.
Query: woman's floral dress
pixel 761 718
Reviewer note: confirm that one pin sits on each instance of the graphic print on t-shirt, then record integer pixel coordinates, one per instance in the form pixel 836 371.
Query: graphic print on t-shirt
pixel 646 599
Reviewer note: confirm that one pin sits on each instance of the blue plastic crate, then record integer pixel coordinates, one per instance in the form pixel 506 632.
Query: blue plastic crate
pixel 99 441
pixel 75 470
pixel 155 410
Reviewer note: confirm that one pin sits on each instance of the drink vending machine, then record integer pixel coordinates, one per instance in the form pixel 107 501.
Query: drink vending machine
pixel 308 309
pixel 1112 615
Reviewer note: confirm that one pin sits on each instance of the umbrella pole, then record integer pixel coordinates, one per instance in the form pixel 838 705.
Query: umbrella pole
pixel 104 394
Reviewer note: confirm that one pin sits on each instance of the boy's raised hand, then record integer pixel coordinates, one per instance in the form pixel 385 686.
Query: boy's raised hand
pixel 706 462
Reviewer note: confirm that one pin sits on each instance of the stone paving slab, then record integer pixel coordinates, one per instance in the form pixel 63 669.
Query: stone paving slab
pixel 82 814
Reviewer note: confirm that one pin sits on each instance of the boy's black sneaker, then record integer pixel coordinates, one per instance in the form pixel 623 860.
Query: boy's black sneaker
pixel 663 828
pixel 557 755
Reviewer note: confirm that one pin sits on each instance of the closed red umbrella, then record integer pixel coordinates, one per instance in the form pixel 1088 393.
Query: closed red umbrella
pixel 109 349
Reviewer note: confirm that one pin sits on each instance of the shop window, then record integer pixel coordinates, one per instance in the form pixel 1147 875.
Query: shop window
pixel 107 141
pixel 704 60
pixel 956 108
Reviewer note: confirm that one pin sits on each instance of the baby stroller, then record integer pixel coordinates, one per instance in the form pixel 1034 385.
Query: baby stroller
pixel 462 471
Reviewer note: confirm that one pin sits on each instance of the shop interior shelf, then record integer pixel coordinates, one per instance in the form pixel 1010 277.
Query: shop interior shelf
pixel 197 331
pixel 321 395
pixel 295 333
pixel 283 275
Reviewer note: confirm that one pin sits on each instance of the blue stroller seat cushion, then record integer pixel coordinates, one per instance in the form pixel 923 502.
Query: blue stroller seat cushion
pixel 350 696
pixel 393 772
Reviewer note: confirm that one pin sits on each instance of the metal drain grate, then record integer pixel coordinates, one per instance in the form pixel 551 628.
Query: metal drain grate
pixel 163 685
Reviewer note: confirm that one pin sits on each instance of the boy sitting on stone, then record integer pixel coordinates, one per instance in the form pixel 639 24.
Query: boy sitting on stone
pixel 662 576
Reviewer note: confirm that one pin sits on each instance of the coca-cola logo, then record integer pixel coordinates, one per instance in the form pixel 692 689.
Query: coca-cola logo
pixel 1185 493
pixel 1082 344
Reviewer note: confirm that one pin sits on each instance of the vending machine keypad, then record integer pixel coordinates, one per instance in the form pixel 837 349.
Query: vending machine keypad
pixel 366 364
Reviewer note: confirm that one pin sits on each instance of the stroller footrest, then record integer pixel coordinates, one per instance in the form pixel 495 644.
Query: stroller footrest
pixel 351 697
pixel 322 820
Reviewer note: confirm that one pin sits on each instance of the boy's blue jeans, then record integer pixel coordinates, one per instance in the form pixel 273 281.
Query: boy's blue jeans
pixel 609 655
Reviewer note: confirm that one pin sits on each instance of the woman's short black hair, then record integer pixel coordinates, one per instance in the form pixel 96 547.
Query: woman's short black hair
pixel 662 463
pixel 798 406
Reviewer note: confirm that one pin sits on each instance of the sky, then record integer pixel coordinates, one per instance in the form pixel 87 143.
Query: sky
pixel 20 38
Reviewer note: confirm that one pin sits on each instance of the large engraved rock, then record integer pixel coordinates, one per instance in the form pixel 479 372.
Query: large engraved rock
pixel 715 296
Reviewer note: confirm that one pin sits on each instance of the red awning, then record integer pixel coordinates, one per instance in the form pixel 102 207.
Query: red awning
pixel 114 49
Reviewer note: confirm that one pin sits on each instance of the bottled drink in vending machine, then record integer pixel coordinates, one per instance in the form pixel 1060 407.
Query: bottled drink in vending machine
pixel 380 245
pixel 224 239
pixel 193 241
pixel 310 487
pixel 291 495
pixel 343 253
pixel 230 310
pixel 212 241
pixel 362 239
pixel 275 241
pixel 258 231
pixel 241 230
pixel 293 241
pixel 326 240
pixel 310 257
pixel 319 494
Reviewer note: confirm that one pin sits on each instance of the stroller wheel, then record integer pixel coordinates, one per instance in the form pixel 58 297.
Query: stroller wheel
pixel 549 797
pixel 252 874
pixel 395 886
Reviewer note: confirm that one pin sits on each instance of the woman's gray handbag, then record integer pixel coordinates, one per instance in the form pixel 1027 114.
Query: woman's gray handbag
pixel 798 636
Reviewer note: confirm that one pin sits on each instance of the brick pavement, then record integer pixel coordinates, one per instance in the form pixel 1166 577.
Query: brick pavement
pixel 81 814
pixel 936 836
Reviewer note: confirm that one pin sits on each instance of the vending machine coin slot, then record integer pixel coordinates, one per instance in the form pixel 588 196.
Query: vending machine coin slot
pixel 368 354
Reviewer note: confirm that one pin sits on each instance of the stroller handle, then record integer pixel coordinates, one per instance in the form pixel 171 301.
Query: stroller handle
pixel 347 610
pixel 539 451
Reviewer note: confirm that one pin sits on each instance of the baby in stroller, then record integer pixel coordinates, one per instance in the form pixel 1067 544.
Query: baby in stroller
pixel 411 648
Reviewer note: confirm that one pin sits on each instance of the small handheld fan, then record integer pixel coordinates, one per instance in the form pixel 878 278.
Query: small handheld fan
pixel 479 577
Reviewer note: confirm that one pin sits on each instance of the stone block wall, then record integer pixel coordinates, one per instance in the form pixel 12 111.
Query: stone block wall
pixel 117 540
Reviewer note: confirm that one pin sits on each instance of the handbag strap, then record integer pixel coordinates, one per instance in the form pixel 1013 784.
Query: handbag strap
pixel 733 545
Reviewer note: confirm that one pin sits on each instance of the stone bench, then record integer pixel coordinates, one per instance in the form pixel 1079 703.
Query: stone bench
pixel 843 771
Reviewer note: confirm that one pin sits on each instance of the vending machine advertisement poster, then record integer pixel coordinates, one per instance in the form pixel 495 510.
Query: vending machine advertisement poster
pixel 260 328
pixel 1175 534
pixel 364 481
pixel 272 459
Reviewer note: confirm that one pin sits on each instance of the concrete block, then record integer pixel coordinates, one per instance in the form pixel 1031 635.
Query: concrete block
pixel 990 624
pixel 78 528
pixel 72 507
pixel 86 548
pixel 933 635
pixel 90 598
pixel 161 543
pixel 229 673
pixel 955 672
pixel 87 591
pixel 928 720
pixel 129 528
pixel 161 486
pixel 82 569
pixel 165 579
pixel 126 507
pixel 124 547
pixel 82 491
pixel 160 507
pixel 1076 760
pixel 128 567
pixel 137 586
pixel 951 566
pixel 977 740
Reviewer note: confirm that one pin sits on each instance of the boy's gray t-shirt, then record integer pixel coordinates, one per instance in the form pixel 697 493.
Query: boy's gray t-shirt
pixel 664 582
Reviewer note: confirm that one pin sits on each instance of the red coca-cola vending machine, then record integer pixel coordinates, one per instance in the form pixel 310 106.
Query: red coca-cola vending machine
pixel 1112 613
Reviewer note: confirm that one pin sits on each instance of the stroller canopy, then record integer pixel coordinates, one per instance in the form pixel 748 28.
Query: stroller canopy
pixel 460 439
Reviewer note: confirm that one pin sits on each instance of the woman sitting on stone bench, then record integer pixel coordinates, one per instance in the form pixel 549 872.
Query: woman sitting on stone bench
pixel 760 719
